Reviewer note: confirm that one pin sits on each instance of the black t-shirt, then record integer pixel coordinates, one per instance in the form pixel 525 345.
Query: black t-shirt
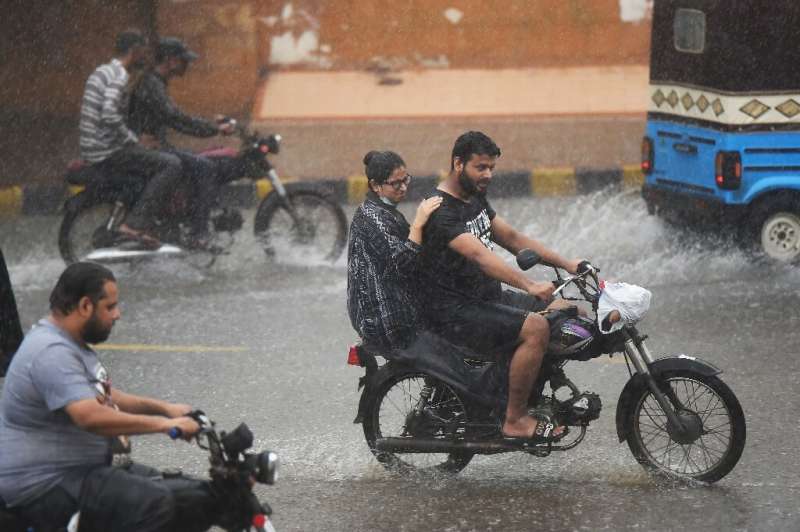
pixel 450 278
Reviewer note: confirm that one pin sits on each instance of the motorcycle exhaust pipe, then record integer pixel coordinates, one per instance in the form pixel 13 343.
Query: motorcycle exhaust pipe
pixel 409 445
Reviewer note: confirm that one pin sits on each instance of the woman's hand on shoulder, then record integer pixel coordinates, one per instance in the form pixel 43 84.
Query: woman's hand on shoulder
pixel 424 210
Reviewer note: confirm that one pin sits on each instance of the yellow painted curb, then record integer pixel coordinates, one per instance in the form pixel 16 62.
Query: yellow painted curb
pixel 263 188
pixel 74 190
pixel 632 176
pixel 357 188
pixel 553 182
pixel 10 200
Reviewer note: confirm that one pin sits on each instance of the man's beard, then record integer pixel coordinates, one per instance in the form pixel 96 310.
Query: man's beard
pixel 468 185
pixel 94 332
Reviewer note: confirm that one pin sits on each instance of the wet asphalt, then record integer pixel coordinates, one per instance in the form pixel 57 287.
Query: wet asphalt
pixel 266 343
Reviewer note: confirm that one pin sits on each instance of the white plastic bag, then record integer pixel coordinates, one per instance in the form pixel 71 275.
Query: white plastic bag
pixel 630 300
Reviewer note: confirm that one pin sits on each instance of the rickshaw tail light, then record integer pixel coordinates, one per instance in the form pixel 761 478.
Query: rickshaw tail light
pixel 647 155
pixel 728 170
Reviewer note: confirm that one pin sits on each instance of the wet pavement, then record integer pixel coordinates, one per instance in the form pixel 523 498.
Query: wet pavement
pixel 266 343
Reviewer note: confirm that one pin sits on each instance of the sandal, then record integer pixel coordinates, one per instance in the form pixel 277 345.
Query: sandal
pixel 543 433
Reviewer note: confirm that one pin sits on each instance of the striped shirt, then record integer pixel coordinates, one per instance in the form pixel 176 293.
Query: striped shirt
pixel 102 128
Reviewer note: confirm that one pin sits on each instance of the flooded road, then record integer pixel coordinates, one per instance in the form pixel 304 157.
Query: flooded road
pixel 267 343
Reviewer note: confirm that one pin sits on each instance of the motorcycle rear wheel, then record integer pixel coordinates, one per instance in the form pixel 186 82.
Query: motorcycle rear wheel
pixel 320 234
pixel 708 400
pixel 391 411
pixel 82 227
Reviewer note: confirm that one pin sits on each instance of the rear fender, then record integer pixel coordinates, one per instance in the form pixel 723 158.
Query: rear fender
pixel 369 382
pixel 637 383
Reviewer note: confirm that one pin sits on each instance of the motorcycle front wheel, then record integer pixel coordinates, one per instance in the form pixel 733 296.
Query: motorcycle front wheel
pixel 716 419
pixel 315 230
pixel 84 228
pixel 415 405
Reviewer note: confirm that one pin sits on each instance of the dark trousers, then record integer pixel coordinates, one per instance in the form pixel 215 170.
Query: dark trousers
pixel 201 173
pixel 134 498
pixel 161 170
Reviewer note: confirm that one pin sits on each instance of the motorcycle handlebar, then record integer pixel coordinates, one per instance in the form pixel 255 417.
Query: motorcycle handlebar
pixel 197 415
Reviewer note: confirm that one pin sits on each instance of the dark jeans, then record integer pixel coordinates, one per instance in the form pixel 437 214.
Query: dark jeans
pixel 134 498
pixel 161 170
pixel 202 175
pixel 488 327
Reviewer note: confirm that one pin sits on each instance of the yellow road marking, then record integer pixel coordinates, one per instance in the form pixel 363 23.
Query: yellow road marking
pixel 171 348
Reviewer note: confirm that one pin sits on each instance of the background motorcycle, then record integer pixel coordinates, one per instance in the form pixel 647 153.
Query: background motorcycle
pixel 434 406
pixel 306 217
pixel 232 473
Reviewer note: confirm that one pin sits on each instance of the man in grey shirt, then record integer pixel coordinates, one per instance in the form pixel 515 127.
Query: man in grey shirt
pixel 60 417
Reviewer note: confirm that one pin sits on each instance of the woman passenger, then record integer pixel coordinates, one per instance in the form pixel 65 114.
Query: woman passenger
pixel 383 256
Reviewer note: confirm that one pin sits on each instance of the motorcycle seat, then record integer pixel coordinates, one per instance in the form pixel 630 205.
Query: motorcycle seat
pixel 81 173
pixel 10 521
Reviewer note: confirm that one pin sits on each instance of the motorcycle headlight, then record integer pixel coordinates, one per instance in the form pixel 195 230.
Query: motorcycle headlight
pixel 267 465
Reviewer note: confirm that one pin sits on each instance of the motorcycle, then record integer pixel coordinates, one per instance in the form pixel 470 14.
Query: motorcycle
pixel 304 216
pixel 432 407
pixel 229 489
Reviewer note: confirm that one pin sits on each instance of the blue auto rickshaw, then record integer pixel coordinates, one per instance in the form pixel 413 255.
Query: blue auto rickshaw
pixel 722 145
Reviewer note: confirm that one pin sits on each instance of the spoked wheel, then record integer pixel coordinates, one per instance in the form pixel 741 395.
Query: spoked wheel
pixel 715 436
pixel 316 230
pixel 415 405
pixel 84 229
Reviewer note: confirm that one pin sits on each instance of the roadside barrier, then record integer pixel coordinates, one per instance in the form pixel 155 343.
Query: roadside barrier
pixel 37 199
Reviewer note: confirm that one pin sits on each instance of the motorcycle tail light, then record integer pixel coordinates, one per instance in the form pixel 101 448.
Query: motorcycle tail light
pixel 259 520
pixel 264 148
pixel 352 356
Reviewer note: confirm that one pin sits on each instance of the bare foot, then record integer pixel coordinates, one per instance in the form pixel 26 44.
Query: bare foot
pixel 148 241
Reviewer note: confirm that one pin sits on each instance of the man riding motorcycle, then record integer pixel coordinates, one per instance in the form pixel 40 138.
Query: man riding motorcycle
pixel 108 143
pixel 62 422
pixel 465 302
pixel 152 112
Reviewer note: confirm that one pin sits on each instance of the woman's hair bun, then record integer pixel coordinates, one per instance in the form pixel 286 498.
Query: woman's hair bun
pixel 369 156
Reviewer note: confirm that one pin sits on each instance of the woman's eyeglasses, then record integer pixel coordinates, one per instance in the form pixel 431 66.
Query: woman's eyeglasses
pixel 398 184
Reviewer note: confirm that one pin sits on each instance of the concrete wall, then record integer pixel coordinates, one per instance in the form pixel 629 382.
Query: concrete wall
pixel 48 48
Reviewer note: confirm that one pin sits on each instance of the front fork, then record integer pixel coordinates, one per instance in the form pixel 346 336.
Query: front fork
pixel 116 217
pixel 280 190
pixel 642 359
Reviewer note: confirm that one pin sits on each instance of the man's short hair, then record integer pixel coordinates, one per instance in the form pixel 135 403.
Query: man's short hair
pixel 79 280
pixel 473 143
pixel 127 40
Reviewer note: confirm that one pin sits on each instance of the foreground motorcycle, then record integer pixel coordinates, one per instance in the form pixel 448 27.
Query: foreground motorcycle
pixel 303 217
pixel 228 491
pixel 434 406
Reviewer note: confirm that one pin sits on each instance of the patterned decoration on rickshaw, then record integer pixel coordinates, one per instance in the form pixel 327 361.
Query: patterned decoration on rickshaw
pixel 687 101
pixel 789 108
pixel 717 107
pixel 659 98
pixel 702 103
pixel 672 99
pixel 754 109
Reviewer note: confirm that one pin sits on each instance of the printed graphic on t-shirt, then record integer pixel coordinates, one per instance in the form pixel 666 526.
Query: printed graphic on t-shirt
pixel 120 445
pixel 481 227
